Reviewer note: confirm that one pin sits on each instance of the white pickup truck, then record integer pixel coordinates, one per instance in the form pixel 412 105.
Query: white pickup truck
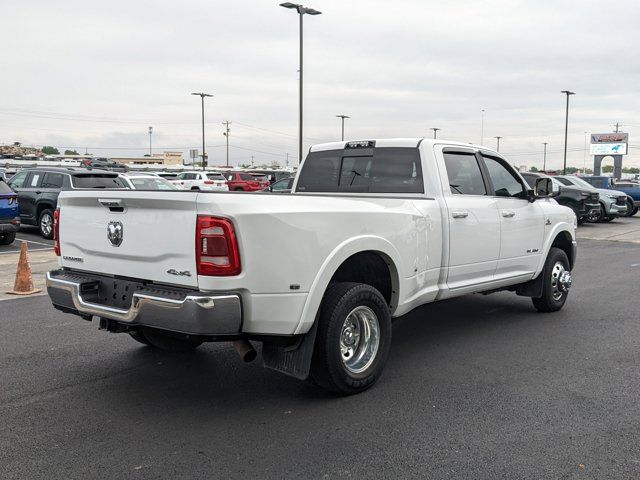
pixel 371 230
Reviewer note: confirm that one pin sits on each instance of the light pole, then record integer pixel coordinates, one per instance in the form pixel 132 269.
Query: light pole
pixel 204 155
pixel 566 128
pixel 150 132
pixel 435 131
pixel 342 117
pixel 498 144
pixel 301 11
pixel 544 156
pixel 481 126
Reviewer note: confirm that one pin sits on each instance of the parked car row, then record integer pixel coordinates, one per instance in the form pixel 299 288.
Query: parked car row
pixel 34 191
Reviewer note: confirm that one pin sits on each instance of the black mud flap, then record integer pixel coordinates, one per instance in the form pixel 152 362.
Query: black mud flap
pixel 293 360
pixel 532 288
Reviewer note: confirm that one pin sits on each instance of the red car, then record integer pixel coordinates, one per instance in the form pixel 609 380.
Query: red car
pixel 248 182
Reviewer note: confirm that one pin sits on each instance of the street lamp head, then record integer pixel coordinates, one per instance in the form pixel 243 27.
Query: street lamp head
pixel 311 11
pixel 201 94
pixel 568 92
pixel 343 116
pixel 289 5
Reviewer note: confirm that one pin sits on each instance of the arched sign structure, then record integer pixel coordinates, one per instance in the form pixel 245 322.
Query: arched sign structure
pixel 608 145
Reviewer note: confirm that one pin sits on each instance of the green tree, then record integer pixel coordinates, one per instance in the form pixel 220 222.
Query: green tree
pixel 572 170
pixel 244 165
pixel 533 169
pixel 71 152
pixel 50 151
pixel 607 169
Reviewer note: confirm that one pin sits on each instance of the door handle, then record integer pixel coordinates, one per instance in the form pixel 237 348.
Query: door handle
pixel 508 213
pixel 460 214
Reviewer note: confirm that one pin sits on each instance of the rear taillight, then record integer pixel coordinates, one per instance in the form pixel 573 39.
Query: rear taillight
pixel 56 232
pixel 12 200
pixel 216 247
pixel 209 182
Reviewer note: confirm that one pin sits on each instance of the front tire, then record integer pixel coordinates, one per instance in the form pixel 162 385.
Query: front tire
pixel 556 282
pixel 630 209
pixel 45 224
pixel 353 338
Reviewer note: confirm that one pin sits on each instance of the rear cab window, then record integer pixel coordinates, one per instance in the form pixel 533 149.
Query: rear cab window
pixel 97 181
pixel 363 170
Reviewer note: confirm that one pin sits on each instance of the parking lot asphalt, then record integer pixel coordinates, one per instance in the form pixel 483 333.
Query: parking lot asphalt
pixel 34 240
pixel 476 387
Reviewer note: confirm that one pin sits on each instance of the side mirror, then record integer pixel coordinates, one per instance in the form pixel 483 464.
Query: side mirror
pixel 545 188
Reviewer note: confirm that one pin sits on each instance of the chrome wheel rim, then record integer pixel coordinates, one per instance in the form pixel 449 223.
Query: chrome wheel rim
pixel 560 281
pixel 359 339
pixel 46 224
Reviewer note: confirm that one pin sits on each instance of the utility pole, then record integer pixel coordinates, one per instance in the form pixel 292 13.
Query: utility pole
pixel 566 129
pixel 435 131
pixel 150 132
pixel 584 154
pixel 287 157
pixel 204 154
pixel 226 123
pixel 618 125
pixel 544 158
pixel 481 126
pixel 342 117
pixel 252 160
pixel 498 145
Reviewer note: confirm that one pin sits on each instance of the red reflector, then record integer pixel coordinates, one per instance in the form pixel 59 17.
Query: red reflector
pixel 56 232
pixel 217 251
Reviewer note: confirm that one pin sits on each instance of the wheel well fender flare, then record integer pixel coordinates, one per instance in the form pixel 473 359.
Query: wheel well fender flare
pixel 348 248
pixel 562 228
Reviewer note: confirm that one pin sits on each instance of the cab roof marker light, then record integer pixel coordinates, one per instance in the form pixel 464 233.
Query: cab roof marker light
pixel 361 144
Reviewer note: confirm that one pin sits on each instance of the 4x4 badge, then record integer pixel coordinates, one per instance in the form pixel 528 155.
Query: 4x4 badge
pixel 115 233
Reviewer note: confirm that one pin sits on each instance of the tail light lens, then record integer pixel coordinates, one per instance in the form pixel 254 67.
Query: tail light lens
pixel 12 200
pixel 209 182
pixel 217 251
pixel 56 232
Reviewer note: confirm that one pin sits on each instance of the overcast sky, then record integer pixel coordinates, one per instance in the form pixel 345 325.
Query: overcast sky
pixel 97 74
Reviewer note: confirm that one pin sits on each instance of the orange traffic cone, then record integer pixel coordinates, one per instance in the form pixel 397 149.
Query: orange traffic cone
pixel 24 279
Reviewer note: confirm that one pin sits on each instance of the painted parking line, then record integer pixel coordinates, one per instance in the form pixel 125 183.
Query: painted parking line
pixel 17 250
pixel 33 241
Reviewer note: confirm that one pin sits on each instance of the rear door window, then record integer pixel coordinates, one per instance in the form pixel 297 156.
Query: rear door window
pixel 53 180
pixel 463 171
pixel 97 181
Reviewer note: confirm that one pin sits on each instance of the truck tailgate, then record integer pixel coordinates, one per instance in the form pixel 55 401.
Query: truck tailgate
pixel 140 234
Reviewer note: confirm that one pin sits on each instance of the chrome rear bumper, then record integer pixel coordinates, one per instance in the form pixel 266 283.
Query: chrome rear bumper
pixel 178 310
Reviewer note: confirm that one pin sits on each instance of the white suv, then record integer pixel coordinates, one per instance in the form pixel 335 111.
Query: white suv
pixel 205 181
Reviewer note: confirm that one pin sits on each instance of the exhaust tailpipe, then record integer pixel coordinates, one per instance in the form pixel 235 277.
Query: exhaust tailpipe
pixel 245 350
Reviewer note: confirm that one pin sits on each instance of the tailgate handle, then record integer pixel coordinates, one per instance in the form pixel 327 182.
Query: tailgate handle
pixel 113 204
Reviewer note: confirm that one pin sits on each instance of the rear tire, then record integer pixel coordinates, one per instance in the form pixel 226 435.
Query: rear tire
pixel 634 211
pixel 45 224
pixel 353 338
pixel 167 342
pixel 7 238
pixel 553 293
